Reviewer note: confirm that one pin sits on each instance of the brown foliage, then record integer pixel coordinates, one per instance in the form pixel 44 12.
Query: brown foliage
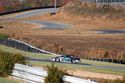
pixel 79 8
pixel 58 44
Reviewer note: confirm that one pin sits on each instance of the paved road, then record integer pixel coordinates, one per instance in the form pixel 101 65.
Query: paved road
pixel 114 68
pixel 117 31
pixel 50 25
pixel 35 12
pixel 47 24
pixel 28 13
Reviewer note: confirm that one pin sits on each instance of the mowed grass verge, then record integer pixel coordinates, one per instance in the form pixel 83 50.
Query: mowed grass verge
pixel 27 54
pixel 4 80
pixel 85 67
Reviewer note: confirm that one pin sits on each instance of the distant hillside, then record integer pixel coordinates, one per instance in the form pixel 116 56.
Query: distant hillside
pixel 78 8
pixel 14 5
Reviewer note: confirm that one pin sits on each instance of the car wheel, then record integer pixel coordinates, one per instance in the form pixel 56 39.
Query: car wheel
pixel 57 59
pixel 73 61
pixel 53 59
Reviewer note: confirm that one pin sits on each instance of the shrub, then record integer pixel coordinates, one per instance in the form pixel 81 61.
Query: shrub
pixel 3 36
pixel 123 58
pixel 106 55
pixel 7 61
pixel 55 75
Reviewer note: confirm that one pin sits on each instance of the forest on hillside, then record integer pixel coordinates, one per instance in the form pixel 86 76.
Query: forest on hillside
pixel 16 5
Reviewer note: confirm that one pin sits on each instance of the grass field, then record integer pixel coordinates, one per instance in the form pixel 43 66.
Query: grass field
pixel 68 66
pixel 4 80
pixel 27 54
pixel 16 25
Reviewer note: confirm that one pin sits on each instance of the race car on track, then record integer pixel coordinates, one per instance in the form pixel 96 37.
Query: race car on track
pixel 66 58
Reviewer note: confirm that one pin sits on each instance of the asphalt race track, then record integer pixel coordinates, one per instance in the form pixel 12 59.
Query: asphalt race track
pixel 115 68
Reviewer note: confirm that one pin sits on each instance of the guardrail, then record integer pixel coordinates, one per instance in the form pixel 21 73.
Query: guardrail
pixel 107 60
pixel 37 75
pixel 23 46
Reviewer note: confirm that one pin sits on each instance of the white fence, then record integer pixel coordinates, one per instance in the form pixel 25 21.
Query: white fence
pixel 37 75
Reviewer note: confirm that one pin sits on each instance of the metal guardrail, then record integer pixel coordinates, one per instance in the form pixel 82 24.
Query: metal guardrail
pixel 23 46
pixel 37 75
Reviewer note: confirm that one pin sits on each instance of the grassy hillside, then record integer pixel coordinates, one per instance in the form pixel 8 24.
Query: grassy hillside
pixel 27 54
pixel 94 10
pixel 89 46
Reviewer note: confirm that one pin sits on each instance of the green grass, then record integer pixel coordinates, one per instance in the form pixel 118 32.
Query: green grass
pixel 4 80
pixel 28 54
pixel 69 66
pixel 101 63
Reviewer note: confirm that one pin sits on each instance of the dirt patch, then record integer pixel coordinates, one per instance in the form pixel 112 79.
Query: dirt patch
pixel 88 74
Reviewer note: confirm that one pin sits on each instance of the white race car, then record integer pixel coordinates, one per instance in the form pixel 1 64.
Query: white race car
pixel 66 58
